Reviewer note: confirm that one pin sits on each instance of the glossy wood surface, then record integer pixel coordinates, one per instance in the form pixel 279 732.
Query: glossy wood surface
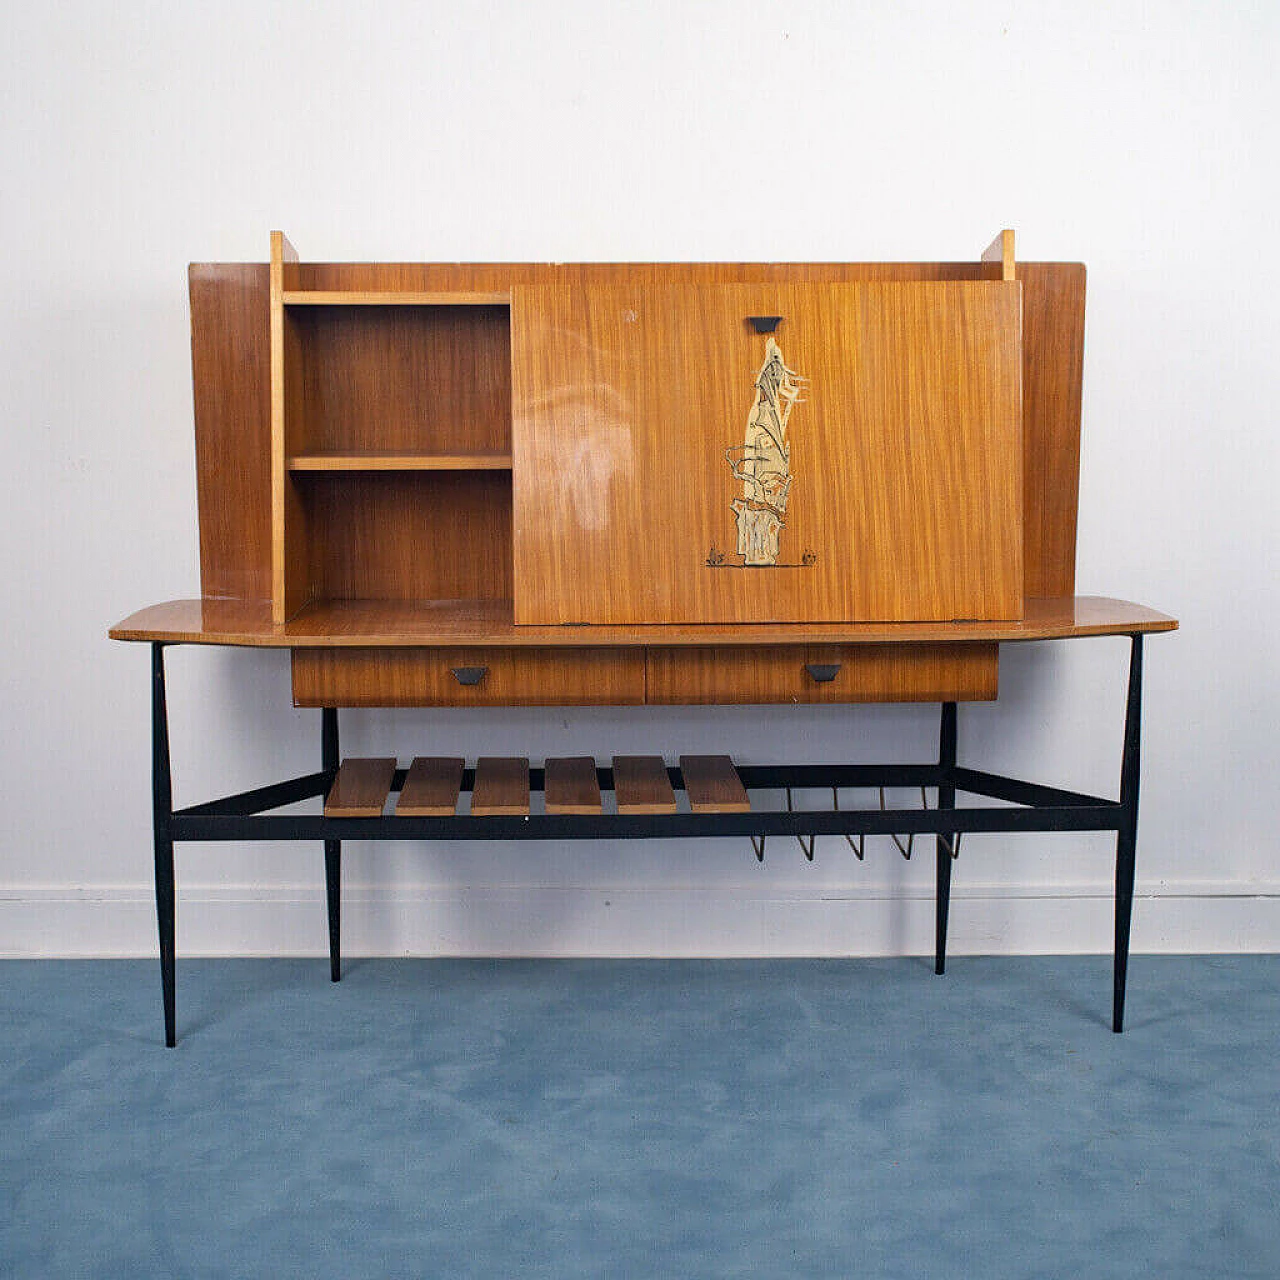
pixel 501 787
pixel 231 384
pixel 641 785
pixel 360 790
pixel 394 460
pixel 406 535
pixel 713 785
pixel 863 673
pixel 230 318
pixel 286 550
pixel 906 453
pixel 571 785
pixel 428 677
pixel 488 623
pixel 431 787
pixel 1053 367
pixel 393 298
pixel 410 379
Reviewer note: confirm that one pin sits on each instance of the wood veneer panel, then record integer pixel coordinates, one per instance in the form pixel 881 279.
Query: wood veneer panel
pixel 501 787
pixel 997 257
pixel 393 460
pixel 360 789
pixel 231 367
pixel 641 785
pixel 414 379
pixel 231 383
pixel 430 677
pixel 713 785
pixel 359 624
pixel 863 673
pixel 571 785
pixel 1053 366
pixel 905 491
pixel 408 536
pixel 431 787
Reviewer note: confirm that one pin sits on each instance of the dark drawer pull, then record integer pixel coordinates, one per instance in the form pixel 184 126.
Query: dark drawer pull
pixel 469 675
pixel 823 672
pixel 764 324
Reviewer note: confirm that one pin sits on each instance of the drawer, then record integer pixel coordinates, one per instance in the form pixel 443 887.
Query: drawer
pixel 467 677
pixel 824 673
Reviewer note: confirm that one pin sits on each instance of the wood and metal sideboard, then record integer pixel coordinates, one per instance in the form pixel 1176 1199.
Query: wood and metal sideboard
pixel 547 485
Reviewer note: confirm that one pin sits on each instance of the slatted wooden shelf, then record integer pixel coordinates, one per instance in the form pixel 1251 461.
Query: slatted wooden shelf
pixel 360 790
pixel 431 787
pixel 641 785
pixel 713 785
pixel 572 785
pixel 501 788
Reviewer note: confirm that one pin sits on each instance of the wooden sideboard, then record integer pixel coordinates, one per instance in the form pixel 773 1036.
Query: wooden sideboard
pixel 522 484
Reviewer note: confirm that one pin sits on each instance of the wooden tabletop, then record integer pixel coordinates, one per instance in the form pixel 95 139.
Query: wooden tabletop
pixel 488 623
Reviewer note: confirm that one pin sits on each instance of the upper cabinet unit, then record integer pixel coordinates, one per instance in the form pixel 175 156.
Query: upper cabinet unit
pixel 628 444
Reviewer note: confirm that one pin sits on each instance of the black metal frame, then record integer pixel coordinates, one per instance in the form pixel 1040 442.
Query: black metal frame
pixel 246 816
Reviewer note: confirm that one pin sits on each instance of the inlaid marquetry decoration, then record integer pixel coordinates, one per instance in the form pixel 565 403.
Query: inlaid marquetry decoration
pixel 762 465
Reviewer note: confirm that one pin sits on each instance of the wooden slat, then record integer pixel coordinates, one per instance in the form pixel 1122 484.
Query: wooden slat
pixel 713 785
pixel 360 789
pixel 642 786
pixel 572 785
pixel 502 786
pixel 431 788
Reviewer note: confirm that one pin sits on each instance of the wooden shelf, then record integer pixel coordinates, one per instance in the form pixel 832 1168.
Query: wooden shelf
pixel 392 298
pixel 394 460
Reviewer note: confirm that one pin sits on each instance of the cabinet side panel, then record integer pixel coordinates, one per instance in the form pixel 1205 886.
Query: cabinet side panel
pixel 1053 364
pixel 231 377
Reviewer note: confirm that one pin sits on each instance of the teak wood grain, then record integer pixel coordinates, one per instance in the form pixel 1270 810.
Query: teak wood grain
pixel 747 674
pixel 501 787
pixel 641 785
pixel 906 453
pixel 393 298
pixel 713 785
pixel 406 535
pixel 392 624
pixel 431 787
pixel 519 677
pixel 231 366
pixel 360 789
pixel 571 785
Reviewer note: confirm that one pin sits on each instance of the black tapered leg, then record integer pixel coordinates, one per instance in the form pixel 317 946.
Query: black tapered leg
pixel 332 848
pixel 945 844
pixel 161 813
pixel 1127 836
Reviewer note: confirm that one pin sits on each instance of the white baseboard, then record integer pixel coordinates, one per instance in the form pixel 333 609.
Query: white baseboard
pixel 593 921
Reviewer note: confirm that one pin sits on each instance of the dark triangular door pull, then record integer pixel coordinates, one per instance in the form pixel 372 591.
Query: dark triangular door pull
pixel 823 672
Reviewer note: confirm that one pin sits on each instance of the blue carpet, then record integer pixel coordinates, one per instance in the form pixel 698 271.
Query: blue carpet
pixel 641 1118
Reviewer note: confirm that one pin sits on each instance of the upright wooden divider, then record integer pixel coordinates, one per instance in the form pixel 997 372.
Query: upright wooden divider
pixel 431 787
pixel 501 787
pixel 360 790
pixel 713 785
pixel 571 785
pixel 641 785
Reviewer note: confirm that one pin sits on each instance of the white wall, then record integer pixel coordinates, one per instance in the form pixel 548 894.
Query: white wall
pixel 1140 139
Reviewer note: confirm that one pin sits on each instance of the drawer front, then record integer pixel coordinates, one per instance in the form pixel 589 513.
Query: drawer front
pixel 467 677
pixel 824 673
